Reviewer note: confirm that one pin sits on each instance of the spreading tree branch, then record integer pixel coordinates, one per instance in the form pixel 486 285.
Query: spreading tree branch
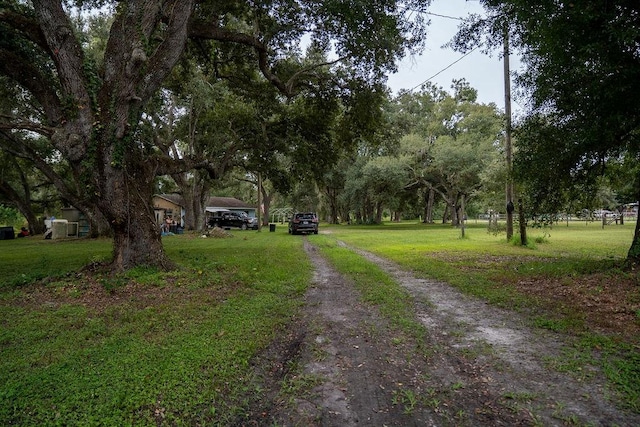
pixel 262 50
pixel 25 25
pixel 12 124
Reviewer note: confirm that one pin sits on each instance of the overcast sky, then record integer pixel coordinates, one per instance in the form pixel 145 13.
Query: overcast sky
pixel 484 73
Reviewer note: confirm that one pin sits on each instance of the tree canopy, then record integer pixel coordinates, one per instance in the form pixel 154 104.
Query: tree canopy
pixel 431 146
pixel 91 70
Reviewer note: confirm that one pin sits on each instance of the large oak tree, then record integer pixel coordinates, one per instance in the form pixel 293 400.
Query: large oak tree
pixel 90 107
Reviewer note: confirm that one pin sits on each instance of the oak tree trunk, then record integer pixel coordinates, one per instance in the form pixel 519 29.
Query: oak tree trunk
pixel 266 203
pixel 428 210
pixel 378 213
pixel 126 202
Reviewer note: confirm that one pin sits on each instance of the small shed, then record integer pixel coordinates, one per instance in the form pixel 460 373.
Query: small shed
pixel 168 207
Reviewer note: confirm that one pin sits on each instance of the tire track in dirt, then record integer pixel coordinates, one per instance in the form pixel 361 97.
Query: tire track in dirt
pixel 483 367
pixel 348 347
pixel 510 354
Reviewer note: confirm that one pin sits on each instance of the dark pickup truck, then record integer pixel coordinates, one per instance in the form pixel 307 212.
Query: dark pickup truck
pixel 232 219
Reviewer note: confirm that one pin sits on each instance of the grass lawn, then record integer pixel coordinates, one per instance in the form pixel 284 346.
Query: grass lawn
pixel 146 347
pixel 439 251
pixel 81 348
pixel 569 281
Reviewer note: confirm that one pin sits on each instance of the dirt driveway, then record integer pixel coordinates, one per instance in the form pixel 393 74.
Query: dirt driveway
pixel 479 365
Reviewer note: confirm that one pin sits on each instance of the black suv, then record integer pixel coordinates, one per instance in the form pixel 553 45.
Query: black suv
pixel 303 222
pixel 232 219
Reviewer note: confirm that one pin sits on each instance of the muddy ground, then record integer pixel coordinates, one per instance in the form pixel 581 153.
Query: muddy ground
pixel 478 365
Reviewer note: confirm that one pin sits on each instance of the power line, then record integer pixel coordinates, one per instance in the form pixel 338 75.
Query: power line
pixel 457 18
pixel 444 69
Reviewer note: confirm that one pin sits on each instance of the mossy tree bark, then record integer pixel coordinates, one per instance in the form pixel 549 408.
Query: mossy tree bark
pixel 95 125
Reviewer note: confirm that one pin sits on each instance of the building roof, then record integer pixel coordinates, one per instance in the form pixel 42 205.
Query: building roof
pixel 174 198
pixel 227 202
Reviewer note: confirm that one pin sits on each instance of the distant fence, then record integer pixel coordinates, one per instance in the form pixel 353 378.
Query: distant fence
pixel 608 218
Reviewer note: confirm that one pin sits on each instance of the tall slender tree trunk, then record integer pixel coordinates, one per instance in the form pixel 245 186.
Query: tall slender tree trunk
pixel 455 214
pixel 523 223
pixel 425 208
pixel 379 209
pixel 508 148
pixel 632 262
pixel 266 202
pixel 332 195
pixel 430 204
pixel 368 209
pixel 345 216
pixel 462 216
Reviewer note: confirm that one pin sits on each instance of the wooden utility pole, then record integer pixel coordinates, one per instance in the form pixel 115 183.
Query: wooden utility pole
pixel 259 212
pixel 523 223
pixel 462 215
pixel 507 136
